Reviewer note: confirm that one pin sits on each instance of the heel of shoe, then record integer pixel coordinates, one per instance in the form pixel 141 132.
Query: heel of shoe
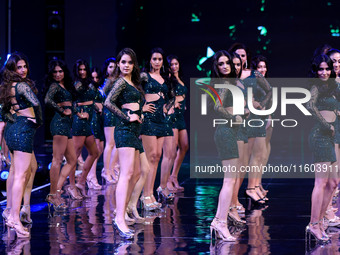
pixel 126 235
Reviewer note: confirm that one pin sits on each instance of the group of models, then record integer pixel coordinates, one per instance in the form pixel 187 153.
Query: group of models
pixel 239 145
pixel 138 112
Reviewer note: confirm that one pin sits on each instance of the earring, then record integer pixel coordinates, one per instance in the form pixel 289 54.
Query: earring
pixel 150 67
pixel 163 69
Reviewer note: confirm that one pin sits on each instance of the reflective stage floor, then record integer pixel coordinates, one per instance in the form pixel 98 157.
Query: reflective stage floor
pixel 179 228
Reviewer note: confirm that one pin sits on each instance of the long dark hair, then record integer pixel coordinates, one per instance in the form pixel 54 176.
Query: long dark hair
pixel 214 71
pixel 96 84
pixel 256 60
pixel 10 76
pixel 164 69
pixel 68 82
pixel 87 80
pixel 172 81
pixel 135 75
pixel 235 55
pixel 325 87
pixel 106 64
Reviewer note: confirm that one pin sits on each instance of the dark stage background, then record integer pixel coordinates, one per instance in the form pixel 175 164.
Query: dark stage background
pixel 286 32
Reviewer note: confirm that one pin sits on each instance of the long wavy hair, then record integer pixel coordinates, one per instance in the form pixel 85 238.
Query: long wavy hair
pixel 325 87
pixel 87 80
pixel 135 75
pixel 10 76
pixel 214 71
pixel 68 82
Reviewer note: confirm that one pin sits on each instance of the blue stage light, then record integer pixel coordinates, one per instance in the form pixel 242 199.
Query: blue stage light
pixel 4 174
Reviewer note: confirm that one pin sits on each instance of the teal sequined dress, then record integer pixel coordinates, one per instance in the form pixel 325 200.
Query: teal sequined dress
pixel 321 140
pixel 20 133
pixel 156 123
pixel 179 121
pixel 262 94
pixel 61 124
pixel 126 133
pixel 97 122
pixel 225 136
pixel 82 127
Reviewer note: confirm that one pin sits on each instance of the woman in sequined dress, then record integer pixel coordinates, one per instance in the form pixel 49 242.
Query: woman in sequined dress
pixel 81 126
pixel 126 100
pixel 17 95
pixel 179 127
pixel 226 143
pixel 110 170
pixel 154 127
pixel 59 97
pixel 323 106
pixel 97 124
pixel 256 135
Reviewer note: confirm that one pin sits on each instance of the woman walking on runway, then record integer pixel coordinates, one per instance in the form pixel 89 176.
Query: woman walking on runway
pixel 226 144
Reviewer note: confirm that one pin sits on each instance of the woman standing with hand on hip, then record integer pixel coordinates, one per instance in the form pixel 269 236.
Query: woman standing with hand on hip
pixel 59 97
pixel 128 95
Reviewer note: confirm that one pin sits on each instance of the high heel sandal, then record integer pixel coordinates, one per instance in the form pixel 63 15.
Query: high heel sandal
pixel 234 219
pixel 264 191
pixel 264 198
pixel 240 209
pixel 107 177
pixel 25 215
pixel 20 231
pixel 148 207
pixel 5 213
pixel 175 183
pixel 93 184
pixel 82 189
pixel 134 213
pixel 126 235
pixel 73 192
pixel 158 205
pixel 309 231
pixel 258 201
pixel 219 231
pixel 51 201
pixel 161 195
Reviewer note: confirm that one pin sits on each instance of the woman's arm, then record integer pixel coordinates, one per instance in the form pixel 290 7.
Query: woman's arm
pixel 264 84
pixel 311 105
pixel 25 90
pixel 110 103
pixel 49 99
